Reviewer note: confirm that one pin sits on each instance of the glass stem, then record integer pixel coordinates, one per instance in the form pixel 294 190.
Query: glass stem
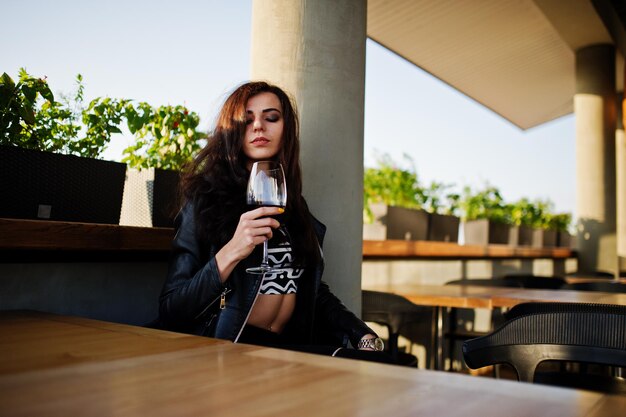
pixel 265 263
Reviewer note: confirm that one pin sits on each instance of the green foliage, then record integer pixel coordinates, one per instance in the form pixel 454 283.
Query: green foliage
pixel 392 185
pixel 101 119
pixel 485 204
pixel 489 204
pixel 539 214
pixel 436 200
pixel 57 124
pixel 17 109
pixel 32 119
pixel 559 222
pixel 166 137
pixel 528 213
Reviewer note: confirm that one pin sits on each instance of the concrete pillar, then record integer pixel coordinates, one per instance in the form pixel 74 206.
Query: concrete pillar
pixel 620 152
pixel 316 51
pixel 594 106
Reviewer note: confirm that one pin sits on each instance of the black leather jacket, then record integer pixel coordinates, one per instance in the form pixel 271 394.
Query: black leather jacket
pixel 191 296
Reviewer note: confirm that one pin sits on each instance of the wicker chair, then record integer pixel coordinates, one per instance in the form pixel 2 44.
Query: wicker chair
pixel 562 332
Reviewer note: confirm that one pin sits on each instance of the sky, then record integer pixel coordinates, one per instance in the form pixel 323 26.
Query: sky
pixel 194 52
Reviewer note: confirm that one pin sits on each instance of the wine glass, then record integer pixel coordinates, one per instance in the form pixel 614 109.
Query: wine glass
pixel 266 187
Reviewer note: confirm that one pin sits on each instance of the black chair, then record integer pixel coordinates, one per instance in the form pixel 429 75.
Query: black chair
pixel 396 313
pixel 562 332
pixel 537 281
pixel 592 274
pixel 487 282
pixel 510 280
pixel 602 286
pixel 455 331
pixel 524 309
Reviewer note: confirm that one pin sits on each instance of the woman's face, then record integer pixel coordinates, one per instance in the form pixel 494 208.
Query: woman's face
pixel 264 127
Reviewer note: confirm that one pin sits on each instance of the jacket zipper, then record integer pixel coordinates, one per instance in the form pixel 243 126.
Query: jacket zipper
pixel 221 297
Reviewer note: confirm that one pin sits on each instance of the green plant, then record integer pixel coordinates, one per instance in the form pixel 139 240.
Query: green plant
pixel 527 213
pixel 62 126
pixel 101 119
pixel 560 222
pixel 389 184
pixel 539 214
pixel 18 103
pixel 57 123
pixel 166 137
pixel 436 200
pixel 485 204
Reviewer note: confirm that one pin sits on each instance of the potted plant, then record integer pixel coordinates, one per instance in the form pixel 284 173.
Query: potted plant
pixel 443 210
pixel 393 200
pixel 560 224
pixel 166 138
pixel 527 216
pixel 48 165
pixel 544 234
pixel 487 219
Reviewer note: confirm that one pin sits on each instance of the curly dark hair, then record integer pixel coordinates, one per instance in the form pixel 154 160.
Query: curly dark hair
pixel 215 181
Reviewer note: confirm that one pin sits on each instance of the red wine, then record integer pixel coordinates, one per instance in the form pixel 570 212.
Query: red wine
pixel 279 217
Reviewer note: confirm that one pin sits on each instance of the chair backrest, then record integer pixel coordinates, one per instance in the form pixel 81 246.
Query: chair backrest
pixel 540 307
pixel 394 312
pixel 537 281
pixel 597 286
pixel 554 331
pixel 391 310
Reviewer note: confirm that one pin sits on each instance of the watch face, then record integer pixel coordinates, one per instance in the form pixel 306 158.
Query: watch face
pixel 378 344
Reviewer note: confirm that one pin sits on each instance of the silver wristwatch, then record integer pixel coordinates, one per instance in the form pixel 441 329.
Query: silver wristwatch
pixel 375 343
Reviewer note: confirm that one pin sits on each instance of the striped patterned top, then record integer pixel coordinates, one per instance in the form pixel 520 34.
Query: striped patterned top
pixel 284 279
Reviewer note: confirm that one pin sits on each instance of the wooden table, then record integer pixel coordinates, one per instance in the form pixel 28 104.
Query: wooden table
pixel 63 366
pixel 583 279
pixel 474 296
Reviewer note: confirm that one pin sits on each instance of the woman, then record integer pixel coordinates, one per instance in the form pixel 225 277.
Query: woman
pixel 207 290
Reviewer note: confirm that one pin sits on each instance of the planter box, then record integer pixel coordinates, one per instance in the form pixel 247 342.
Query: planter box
pixel 513 236
pixel 573 243
pixel 544 238
pixel 150 198
pixel 396 223
pixel 525 236
pixel 485 232
pixel 564 240
pixel 45 185
pixel 443 228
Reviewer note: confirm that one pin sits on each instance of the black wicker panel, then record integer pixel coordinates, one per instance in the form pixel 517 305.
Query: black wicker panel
pixel 44 185
pixel 165 197
pixel 564 328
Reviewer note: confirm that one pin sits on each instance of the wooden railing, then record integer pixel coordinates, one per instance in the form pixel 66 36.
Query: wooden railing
pixel 373 249
pixel 41 235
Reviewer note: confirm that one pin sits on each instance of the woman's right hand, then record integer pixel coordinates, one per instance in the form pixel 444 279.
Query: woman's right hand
pixel 255 227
